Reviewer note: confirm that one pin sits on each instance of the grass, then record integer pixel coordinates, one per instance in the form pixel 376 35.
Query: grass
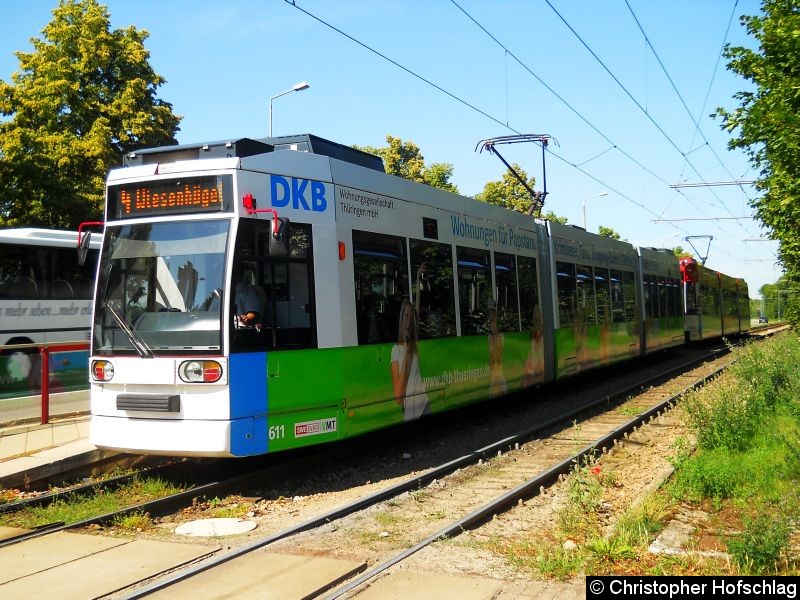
pixel 73 508
pixel 744 467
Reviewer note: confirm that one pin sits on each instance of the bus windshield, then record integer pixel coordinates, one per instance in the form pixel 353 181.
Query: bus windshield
pixel 160 288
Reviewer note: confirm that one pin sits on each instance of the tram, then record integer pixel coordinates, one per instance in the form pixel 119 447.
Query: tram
pixel 715 304
pixel 261 295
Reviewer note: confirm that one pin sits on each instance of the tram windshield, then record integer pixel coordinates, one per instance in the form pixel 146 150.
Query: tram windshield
pixel 160 288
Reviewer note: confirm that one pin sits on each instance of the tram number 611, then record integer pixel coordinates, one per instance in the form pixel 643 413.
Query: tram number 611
pixel 276 432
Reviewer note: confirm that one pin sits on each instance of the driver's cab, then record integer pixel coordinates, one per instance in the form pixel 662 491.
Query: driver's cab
pixel 280 276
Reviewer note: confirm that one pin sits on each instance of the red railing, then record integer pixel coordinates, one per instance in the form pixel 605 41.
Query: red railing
pixel 44 352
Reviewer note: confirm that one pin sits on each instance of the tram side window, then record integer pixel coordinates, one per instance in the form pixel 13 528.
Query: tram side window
pixel 709 300
pixel 691 298
pixel 650 298
pixel 474 290
pixel 585 292
pixel 529 308
pixel 663 297
pixel 617 297
pixel 677 305
pixel 284 286
pixel 565 273
pixel 602 296
pixel 629 288
pixel 380 271
pixel 733 308
pixel 432 288
pixel 744 304
pixel 505 278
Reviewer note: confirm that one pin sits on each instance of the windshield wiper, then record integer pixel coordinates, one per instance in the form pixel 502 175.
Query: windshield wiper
pixel 138 343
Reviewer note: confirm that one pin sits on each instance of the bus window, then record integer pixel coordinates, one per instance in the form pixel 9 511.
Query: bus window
pixel 474 289
pixel 380 272
pixel 432 288
pixel 19 271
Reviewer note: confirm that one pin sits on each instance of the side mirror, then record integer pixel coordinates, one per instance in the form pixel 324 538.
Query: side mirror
pixel 279 237
pixel 84 239
pixel 83 246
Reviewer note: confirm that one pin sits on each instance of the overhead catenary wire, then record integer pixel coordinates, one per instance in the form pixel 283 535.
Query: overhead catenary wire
pixel 494 119
pixel 644 111
pixel 508 52
pixel 411 72
pixel 550 89
pixel 686 108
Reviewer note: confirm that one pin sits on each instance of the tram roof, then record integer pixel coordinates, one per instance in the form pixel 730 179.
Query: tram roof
pixel 307 142
pixel 243 147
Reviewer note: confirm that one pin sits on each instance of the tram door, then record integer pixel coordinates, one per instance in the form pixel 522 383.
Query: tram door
pixel 284 282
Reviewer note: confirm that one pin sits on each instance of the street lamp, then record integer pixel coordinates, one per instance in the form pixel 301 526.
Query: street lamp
pixel 297 87
pixel 584 207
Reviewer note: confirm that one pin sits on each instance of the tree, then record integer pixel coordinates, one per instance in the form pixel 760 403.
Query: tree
pixel 681 253
pixel 404 159
pixel 608 232
pixel 85 96
pixel 510 193
pixel 551 216
pixel 766 125
pixel 777 300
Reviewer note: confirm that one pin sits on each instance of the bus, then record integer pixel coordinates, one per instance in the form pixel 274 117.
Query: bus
pixel 45 297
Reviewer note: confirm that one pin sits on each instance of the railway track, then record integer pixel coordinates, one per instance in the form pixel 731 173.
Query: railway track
pixel 480 488
pixel 482 483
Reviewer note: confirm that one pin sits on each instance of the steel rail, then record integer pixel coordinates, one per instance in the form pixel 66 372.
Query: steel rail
pixel 420 480
pixel 523 491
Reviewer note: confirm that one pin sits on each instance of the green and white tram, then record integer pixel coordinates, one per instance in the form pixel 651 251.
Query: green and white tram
pixel 256 296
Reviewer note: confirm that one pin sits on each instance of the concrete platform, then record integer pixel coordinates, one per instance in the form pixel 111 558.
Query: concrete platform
pixel 264 575
pixel 29 453
pixel 69 565
pixel 76 566
pixel 430 586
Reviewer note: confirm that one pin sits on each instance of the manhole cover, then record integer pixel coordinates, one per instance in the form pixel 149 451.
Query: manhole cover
pixel 215 527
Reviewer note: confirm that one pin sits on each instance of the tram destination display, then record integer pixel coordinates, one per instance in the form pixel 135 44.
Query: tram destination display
pixel 170 197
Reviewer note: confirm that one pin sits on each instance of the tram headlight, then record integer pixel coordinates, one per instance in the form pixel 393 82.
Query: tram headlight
pixel 200 371
pixel 102 370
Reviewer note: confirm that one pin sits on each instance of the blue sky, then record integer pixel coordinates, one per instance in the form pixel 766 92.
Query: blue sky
pixel 224 60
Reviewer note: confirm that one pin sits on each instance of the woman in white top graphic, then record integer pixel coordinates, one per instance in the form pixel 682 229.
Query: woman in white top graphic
pixel 409 389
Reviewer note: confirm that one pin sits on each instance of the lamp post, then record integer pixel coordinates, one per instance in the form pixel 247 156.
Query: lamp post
pixel 297 87
pixel 584 207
